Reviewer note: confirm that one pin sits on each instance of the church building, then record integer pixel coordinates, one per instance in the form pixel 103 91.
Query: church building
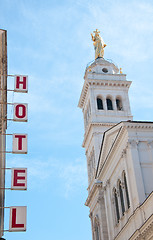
pixel 119 153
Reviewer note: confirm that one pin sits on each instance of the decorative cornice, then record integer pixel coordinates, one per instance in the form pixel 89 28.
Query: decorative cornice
pixel 138 124
pixel 101 82
pixel 132 143
pixel 106 82
pixel 125 124
pixel 143 230
pixel 109 125
pixel 148 231
pixel 83 94
pixel 97 184
pixel 114 146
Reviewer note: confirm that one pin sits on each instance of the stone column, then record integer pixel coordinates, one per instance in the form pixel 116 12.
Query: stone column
pixel 110 210
pixel 119 202
pixel 122 182
pixel 107 212
pixel 92 224
pixel 129 183
pixel 102 216
pixel 114 214
pixel 124 196
pixel 114 103
pixel 150 145
pixel 136 177
pixel 93 104
pixel 104 103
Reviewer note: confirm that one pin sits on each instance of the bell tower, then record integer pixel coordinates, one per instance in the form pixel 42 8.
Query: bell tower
pixel 104 101
pixel 119 154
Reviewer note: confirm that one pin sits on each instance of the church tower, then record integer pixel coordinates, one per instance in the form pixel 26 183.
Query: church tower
pixel 119 153
pixel 104 101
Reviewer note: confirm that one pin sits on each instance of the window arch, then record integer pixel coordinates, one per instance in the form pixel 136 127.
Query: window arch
pixel 109 104
pixel 126 190
pixel 116 205
pixel 99 103
pixel 121 197
pixel 119 104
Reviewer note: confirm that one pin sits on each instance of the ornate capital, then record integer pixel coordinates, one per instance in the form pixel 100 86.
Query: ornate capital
pixel 99 184
pixel 123 153
pixel 150 144
pixel 100 197
pixel 118 194
pixel 108 182
pixel 106 185
pixel 132 143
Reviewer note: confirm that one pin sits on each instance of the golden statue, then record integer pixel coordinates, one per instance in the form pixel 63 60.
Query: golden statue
pixel 98 44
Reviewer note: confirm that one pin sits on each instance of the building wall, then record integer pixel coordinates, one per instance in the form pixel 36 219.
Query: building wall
pixel 133 155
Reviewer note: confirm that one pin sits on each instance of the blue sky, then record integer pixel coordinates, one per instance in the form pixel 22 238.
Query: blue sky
pixel 50 42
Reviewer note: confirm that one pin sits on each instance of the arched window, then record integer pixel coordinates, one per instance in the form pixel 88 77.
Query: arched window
pixel 109 104
pixel 119 104
pixel 116 206
pixel 121 198
pixel 99 104
pixel 126 191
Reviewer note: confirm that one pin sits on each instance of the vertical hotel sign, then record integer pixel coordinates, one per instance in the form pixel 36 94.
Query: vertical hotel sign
pixel 18 214
pixel 17 221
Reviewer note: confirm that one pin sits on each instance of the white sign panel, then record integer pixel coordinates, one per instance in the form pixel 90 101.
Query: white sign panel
pixel 19 179
pixel 20 112
pixel 19 143
pixel 21 83
pixel 17 219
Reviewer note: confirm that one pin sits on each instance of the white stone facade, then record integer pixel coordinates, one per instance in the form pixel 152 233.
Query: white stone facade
pixel 119 155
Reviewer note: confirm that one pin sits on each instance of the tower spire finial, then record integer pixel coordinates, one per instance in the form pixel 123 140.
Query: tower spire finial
pixel 98 44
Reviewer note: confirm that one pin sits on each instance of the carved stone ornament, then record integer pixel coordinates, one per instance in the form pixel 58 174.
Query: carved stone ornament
pixel 118 194
pixel 100 197
pixel 123 153
pixel 108 182
pixel 150 144
pixel 99 184
pixel 133 143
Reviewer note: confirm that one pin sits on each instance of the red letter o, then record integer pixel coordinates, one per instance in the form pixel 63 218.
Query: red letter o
pixel 20 111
